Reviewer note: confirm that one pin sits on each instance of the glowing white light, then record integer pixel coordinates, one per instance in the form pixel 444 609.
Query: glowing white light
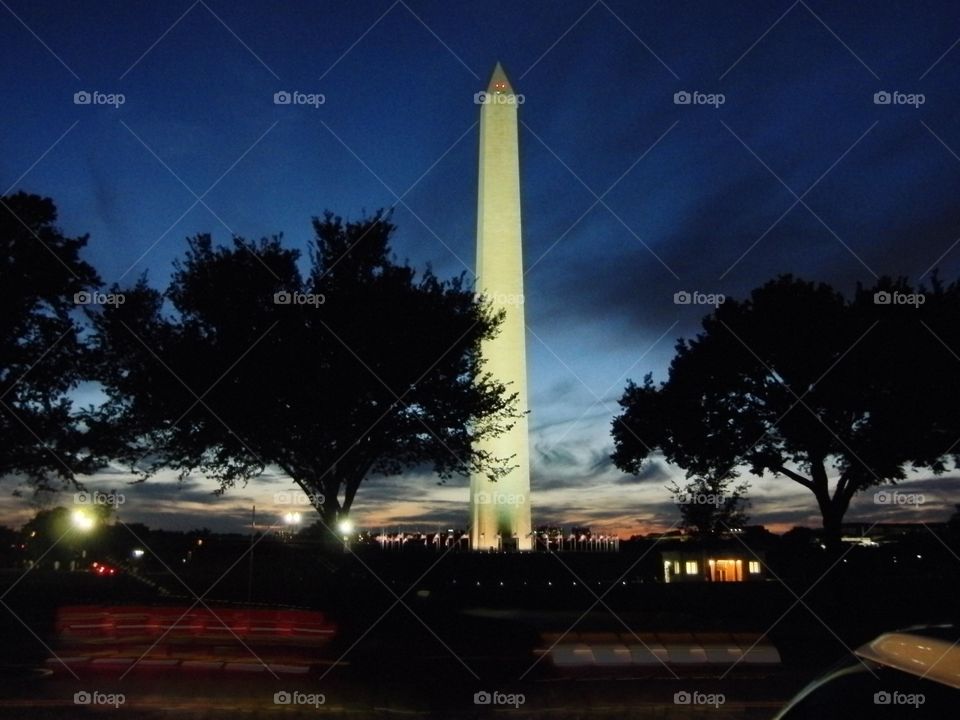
pixel 82 521
pixel 345 527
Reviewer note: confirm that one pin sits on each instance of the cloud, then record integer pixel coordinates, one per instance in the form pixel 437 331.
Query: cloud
pixel 652 470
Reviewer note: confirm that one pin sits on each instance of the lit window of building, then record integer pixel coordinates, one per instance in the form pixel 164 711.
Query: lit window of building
pixel 754 567
pixel 691 567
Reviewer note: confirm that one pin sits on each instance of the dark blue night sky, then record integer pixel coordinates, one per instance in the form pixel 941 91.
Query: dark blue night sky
pixel 628 197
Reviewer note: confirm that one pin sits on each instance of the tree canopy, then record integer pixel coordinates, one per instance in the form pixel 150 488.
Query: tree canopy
pixel 42 356
pixel 837 395
pixel 711 507
pixel 360 366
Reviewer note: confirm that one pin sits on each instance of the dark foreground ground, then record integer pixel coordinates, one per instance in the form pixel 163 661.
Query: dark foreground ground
pixel 418 636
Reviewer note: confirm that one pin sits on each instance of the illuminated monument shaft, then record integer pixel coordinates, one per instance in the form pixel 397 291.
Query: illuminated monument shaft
pixel 500 511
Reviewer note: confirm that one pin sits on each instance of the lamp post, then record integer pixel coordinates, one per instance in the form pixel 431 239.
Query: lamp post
pixel 292 520
pixel 83 522
pixel 345 527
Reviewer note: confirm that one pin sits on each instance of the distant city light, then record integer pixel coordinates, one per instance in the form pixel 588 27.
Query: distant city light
pixel 293 518
pixel 137 552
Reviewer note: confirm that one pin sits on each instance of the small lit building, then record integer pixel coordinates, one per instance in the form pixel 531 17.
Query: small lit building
pixel 719 562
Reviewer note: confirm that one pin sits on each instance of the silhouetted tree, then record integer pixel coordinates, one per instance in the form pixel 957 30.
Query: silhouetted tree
pixel 710 507
pixel 42 357
pixel 363 366
pixel 835 395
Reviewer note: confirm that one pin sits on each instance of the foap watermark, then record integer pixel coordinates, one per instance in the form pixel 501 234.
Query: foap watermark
pixel 695 97
pixel 701 499
pixel 95 697
pixel 895 497
pixel 899 698
pixel 486 98
pixel 496 697
pixel 685 697
pixel 299 298
pixel 299 499
pixel 503 298
pixel 296 697
pixel 684 297
pixel 95 497
pixel 295 97
pixel 499 498
pixel 896 297
pixel 895 97
pixel 95 97
pixel 92 297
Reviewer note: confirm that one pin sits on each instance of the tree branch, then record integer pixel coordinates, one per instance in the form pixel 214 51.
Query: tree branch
pixel 796 477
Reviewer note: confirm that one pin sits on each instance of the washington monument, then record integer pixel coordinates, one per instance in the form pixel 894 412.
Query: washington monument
pixel 500 511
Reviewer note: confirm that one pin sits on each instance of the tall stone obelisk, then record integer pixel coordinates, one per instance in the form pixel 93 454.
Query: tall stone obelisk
pixel 500 511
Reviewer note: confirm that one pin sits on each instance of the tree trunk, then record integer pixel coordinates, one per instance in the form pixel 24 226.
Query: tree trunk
pixel 328 510
pixel 832 507
pixel 331 538
pixel 832 531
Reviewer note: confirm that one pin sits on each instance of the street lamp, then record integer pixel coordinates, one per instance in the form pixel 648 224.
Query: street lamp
pixel 82 520
pixel 292 520
pixel 345 527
